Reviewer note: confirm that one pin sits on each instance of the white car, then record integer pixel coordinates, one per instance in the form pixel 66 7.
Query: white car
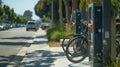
pixel 31 25
pixel 1 27
pixel 45 25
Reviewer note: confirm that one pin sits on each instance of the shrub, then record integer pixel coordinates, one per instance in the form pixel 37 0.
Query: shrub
pixel 55 33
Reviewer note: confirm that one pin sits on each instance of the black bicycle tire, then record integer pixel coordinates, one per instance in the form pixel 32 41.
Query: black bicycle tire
pixel 85 40
pixel 63 46
pixel 117 47
pixel 68 53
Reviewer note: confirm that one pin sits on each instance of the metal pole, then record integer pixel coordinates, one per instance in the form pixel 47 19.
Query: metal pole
pixel 107 36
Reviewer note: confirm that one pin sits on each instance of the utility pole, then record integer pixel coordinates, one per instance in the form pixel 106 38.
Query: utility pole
pixel 108 33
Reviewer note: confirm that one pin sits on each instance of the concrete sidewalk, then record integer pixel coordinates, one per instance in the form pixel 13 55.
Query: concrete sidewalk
pixel 40 54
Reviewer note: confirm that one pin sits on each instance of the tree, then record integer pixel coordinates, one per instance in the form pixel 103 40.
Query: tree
pixel 67 10
pixel 1 11
pixel 0 3
pixel 1 14
pixel 84 3
pixel 60 12
pixel 43 9
pixel 116 5
pixel 28 14
pixel 12 16
pixel 7 11
pixel 21 19
pixel 9 14
pixel 74 4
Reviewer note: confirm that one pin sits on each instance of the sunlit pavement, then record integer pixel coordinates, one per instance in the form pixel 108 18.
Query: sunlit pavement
pixel 40 54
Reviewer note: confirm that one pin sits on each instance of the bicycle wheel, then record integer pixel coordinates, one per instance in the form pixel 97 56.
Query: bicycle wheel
pixel 117 47
pixel 66 39
pixel 77 49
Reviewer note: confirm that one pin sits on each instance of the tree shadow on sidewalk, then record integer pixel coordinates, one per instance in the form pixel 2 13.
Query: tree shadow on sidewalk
pixel 5 60
pixel 40 40
pixel 13 43
pixel 41 58
pixel 42 36
pixel 18 38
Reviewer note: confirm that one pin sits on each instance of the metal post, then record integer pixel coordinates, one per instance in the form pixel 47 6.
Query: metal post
pixel 107 36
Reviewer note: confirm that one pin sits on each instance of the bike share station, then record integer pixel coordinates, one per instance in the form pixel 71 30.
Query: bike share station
pixel 101 36
pixel 98 53
pixel 95 35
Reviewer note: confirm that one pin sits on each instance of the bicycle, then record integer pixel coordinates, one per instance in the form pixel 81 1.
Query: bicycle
pixel 67 39
pixel 77 47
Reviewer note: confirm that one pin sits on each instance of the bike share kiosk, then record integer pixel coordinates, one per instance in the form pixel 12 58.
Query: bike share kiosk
pixel 95 35
pixel 77 18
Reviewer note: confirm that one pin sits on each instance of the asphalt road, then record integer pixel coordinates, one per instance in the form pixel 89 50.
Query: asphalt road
pixel 11 41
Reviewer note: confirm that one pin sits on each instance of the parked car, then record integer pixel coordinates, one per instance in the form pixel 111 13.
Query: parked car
pixel 31 25
pixel 45 25
pixel 9 25
pixel 3 26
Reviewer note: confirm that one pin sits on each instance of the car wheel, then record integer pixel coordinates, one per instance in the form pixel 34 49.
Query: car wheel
pixel 26 29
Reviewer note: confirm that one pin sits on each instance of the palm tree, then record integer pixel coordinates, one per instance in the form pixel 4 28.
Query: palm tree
pixel 0 3
pixel 74 4
pixel 74 7
pixel 66 3
pixel 60 11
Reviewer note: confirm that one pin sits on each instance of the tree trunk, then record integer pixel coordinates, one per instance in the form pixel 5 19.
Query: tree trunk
pixel 0 3
pixel 74 4
pixel 66 3
pixel 60 11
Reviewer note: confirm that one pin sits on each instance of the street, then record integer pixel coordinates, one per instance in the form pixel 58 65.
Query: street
pixel 11 41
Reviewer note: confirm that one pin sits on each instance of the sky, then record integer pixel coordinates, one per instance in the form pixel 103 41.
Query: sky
pixel 20 6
